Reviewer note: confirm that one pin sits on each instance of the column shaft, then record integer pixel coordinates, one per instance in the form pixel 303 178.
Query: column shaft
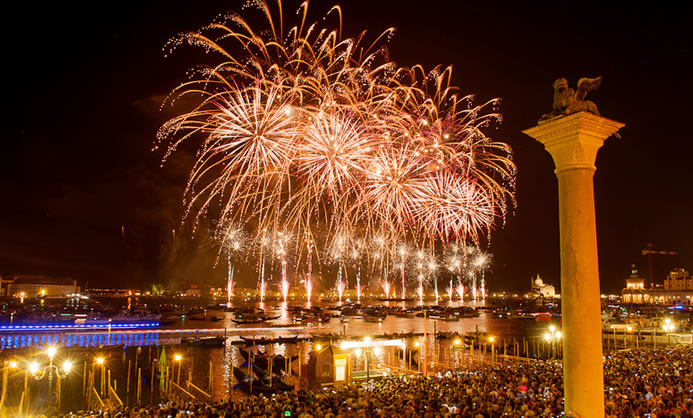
pixel 580 294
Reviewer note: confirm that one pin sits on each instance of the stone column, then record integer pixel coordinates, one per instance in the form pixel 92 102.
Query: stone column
pixel 573 142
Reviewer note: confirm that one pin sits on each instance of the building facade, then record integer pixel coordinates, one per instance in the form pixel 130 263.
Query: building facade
pixel 677 289
pixel 542 289
pixel 33 285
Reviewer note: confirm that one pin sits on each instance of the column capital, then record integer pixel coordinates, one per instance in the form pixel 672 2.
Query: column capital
pixel 574 140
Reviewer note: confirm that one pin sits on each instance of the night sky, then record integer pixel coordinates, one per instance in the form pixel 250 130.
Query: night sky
pixel 83 85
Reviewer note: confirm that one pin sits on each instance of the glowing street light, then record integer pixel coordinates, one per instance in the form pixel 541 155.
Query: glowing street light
pixel 177 357
pixel 492 339
pixel 50 371
pixel 102 365
pixel 33 367
pixel 668 328
pixel 552 337
pixel 50 351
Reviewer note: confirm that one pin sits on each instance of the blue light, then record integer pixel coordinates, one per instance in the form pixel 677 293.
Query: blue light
pixel 77 326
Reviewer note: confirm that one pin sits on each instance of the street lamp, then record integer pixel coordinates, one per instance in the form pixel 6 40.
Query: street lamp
pixel 456 347
pixel 491 339
pixel 101 362
pixel 668 327
pixel 551 337
pixel 178 358
pixel 50 371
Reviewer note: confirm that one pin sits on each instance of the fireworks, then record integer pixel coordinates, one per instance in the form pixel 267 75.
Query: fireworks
pixel 386 288
pixel 340 290
pixel 233 241
pixel 302 130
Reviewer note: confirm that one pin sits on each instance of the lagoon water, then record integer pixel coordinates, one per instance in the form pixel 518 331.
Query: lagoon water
pixel 82 348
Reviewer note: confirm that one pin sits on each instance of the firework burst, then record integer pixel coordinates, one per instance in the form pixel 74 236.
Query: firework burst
pixel 303 130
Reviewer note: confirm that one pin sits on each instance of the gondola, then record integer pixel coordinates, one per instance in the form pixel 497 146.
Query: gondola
pixel 265 341
pixel 255 320
pixel 278 362
pixel 204 341
pixel 264 377
pixel 411 354
pixel 244 383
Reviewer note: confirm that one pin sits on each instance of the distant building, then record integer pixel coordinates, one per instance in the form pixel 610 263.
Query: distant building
pixel 678 279
pixel 115 293
pixel 541 289
pixel 197 291
pixel 677 289
pixel 32 285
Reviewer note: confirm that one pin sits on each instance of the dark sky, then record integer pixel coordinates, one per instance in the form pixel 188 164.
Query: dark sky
pixel 83 85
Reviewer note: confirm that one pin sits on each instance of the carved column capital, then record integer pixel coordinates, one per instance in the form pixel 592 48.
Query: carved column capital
pixel 573 140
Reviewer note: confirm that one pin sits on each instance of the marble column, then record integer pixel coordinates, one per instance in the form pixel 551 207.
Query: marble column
pixel 573 141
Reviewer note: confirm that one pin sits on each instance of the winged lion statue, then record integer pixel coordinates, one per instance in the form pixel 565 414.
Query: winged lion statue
pixel 567 100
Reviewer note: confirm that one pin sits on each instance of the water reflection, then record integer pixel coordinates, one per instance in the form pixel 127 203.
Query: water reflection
pixel 77 340
pixel 210 368
pixel 352 328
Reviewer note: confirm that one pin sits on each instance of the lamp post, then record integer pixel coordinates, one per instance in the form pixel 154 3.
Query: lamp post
pixel 50 371
pixel 178 358
pixel 101 362
pixel 456 347
pixel 668 327
pixel 551 337
pixel 491 340
pixel 376 351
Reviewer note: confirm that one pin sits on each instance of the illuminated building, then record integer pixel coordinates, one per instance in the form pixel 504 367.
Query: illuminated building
pixel 29 285
pixel 541 289
pixel 677 289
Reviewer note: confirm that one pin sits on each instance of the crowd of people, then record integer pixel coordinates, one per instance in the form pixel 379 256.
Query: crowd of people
pixel 638 383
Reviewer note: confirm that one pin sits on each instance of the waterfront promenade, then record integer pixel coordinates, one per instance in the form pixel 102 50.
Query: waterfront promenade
pixel 638 382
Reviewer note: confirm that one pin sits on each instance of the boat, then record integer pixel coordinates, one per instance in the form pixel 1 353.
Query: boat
pixel 170 319
pixel 521 315
pixel 278 362
pixel 543 316
pixel 265 341
pixel 450 318
pixel 266 379
pixel 255 320
pixel 306 319
pixel 250 385
pixel 204 341
pixel 373 319
pixel 198 316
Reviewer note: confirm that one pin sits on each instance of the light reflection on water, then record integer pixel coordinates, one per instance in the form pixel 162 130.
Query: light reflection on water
pixel 219 360
pixel 354 328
